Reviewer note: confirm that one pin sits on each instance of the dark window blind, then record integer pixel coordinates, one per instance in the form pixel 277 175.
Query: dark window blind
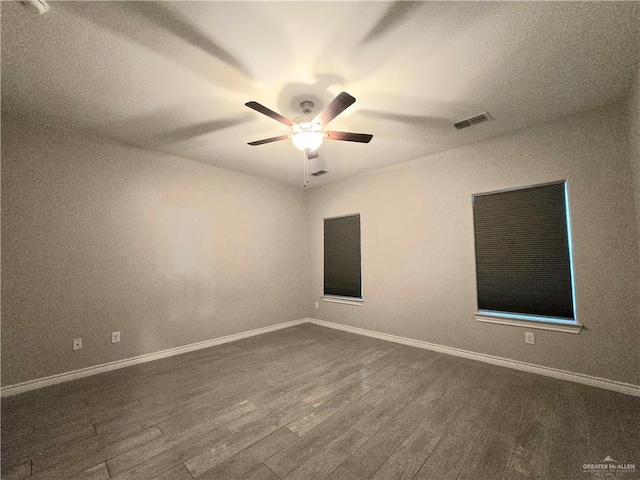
pixel 523 263
pixel 342 274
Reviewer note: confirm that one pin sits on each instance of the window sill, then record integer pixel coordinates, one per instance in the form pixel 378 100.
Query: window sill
pixel 343 300
pixel 556 327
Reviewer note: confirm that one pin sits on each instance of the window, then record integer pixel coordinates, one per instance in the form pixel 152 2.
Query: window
pixel 523 254
pixel 342 272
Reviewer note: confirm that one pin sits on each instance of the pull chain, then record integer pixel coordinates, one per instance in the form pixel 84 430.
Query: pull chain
pixel 306 169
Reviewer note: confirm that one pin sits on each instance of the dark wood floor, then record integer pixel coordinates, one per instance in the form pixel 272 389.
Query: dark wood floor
pixel 310 402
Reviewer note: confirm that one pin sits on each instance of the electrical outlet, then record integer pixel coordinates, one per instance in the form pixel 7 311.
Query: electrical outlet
pixel 529 338
pixel 77 343
pixel 115 337
pixel 317 305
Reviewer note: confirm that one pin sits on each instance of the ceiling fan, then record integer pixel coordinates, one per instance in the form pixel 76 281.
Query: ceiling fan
pixel 307 132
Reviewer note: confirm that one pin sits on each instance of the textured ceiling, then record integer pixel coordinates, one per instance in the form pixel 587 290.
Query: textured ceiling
pixel 174 76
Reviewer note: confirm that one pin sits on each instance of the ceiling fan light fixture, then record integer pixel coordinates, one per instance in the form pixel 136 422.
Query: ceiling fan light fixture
pixel 307 136
pixel 307 132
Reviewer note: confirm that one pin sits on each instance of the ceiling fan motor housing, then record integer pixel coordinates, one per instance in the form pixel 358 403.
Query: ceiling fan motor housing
pixel 307 107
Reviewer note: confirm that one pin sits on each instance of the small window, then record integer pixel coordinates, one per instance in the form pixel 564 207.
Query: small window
pixel 523 253
pixel 342 269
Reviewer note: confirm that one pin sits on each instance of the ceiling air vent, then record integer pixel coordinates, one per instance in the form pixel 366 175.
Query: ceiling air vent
pixel 467 122
pixel 319 172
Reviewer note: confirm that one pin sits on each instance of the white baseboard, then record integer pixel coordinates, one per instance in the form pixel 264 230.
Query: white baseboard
pixel 621 387
pixel 149 357
pixel 613 385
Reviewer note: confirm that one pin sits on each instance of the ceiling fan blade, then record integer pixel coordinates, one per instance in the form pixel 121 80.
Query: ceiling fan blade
pixel 268 140
pixel 269 113
pixel 335 108
pixel 312 155
pixel 350 137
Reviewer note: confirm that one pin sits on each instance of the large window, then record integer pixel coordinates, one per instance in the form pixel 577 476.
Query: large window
pixel 342 272
pixel 523 254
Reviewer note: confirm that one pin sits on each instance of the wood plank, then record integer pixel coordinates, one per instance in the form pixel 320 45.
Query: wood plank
pixel 98 472
pixel 251 457
pixel 273 402
pixel 481 408
pixel 405 461
pixel 290 458
pixel 211 415
pixel 430 368
pixel 305 424
pixel 509 409
pixel 16 472
pixel 243 438
pixel 169 458
pixel 179 472
pixel 488 457
pixel 367 459
pixel 397 402
pixel 447 459
pixel 529 456
pixel 329 457
pixel 325 393
pixel 67 421
pixel 149 450
pixel 43 443
pixel 397 362
pixel 64 434
pixel 452 403
pixel 260 473
pixel 154 415
pixel 79 459
pixel 530 452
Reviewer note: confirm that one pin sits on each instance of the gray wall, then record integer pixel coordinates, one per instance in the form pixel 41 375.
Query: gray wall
pixel 99 237
pixel 418 253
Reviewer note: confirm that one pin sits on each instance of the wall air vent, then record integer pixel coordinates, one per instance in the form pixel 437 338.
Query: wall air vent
pixel 467 122
pixel 319 172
